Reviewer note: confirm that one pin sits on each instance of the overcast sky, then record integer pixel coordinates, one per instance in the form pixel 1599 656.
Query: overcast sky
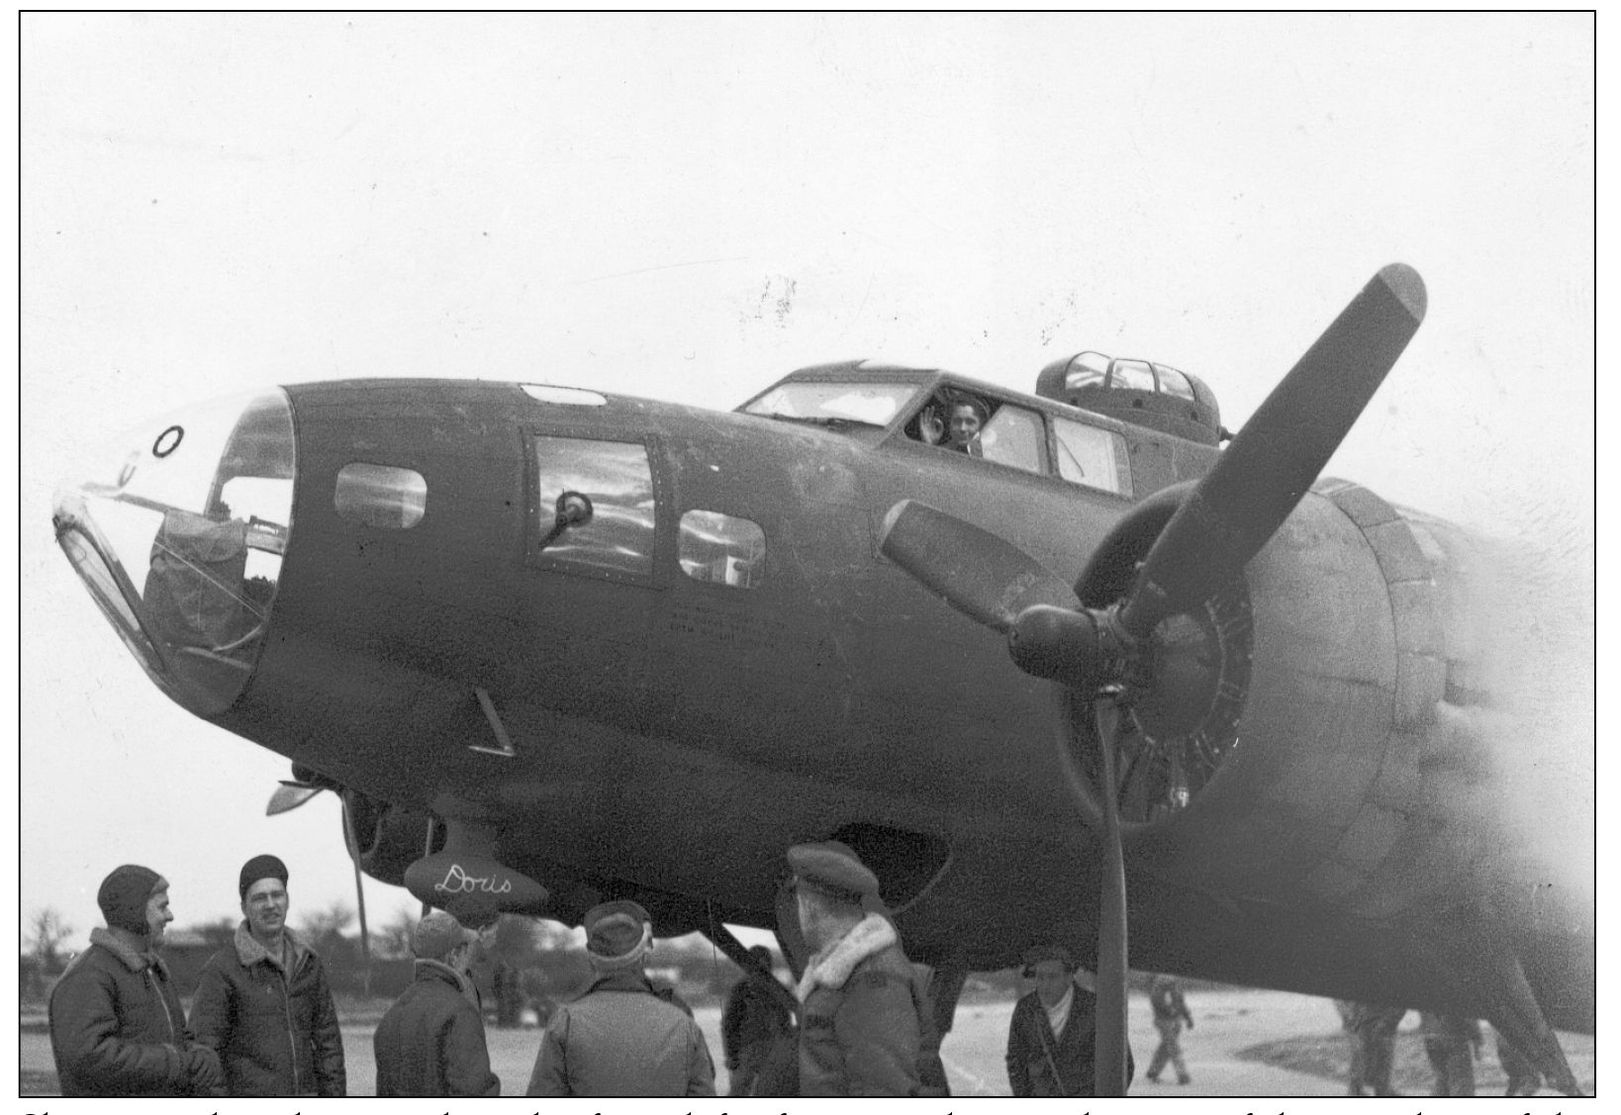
pixel 687 208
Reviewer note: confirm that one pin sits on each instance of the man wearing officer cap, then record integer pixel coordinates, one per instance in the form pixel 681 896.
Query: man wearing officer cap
pixel 862 1014
pixel 1051 1038
pixel 290 1047
pixel 116 1024
pixel 431 1041
pixel 622 1036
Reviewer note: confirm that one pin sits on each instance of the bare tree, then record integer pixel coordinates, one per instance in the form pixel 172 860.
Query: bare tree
pixel 47 933
pixel 219 932
pixel 394 938
pixel 322 926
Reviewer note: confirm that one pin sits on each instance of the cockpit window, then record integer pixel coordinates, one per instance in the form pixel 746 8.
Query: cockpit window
pixel 721 549
pixel 1132 375
pixel 834 404
pixel 1092 456
pixel 1086 369
pixel 1173 382
pixel 966 422
pixel 180 541
pixel 594 511
pixel 953 419
pixel 1013 436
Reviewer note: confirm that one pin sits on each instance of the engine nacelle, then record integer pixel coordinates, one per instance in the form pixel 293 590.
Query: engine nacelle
pixel 1383 750
pixel 391 837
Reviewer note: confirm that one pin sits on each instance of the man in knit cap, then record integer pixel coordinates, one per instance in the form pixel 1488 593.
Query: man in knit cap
pixel 431 1041
pixel 622 1037
pixel 263 1002
pixel 862 1013
pixel 116 1024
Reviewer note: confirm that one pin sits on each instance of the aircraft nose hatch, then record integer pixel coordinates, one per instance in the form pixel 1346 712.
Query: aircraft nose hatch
pixel 179 537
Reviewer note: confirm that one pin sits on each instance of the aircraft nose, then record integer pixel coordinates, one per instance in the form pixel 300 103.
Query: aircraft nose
pixel 179 537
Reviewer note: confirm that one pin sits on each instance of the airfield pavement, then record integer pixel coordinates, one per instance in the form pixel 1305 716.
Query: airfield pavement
pixel 1229 1022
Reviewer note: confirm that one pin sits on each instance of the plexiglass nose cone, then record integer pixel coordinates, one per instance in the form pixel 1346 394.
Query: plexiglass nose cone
pixel 179 537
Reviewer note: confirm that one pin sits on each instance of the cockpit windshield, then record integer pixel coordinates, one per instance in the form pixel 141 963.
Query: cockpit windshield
pixel 179 538
pixel 835 404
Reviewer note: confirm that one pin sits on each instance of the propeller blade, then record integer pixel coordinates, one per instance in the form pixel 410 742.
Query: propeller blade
pixel 1265 471
pixel 289 796
pixel 1110 1043
pixel 1099 785
pixel 353 843
pixel 981 575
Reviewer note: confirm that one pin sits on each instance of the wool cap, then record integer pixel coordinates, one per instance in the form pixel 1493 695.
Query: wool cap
pixel 1040 953
pixel 832 867
pixel 123 896
pixel 617 934
pixel 437 934
pixel 265 866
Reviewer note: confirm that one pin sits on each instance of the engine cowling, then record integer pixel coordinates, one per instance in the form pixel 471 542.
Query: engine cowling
pixel 391 837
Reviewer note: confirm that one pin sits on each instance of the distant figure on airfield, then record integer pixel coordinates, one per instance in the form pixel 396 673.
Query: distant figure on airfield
pixel 622 1037
pixel 1051 1038
pixel 1524 1079
pixel 263 1002
pixel 1349 1013
pixel 1452 1043
pixel 116 1024
pixel 1170 1012
pixel 431 1041
pixel 1376 1028
pixel 754 1020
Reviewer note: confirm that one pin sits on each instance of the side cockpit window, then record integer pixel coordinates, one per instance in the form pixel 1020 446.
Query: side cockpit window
pixel 1091 456
pixel 721 549
pixel 594 507
pixel 381 495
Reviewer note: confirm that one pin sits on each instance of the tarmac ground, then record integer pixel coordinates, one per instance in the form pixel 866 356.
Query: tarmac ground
pixel 1244 1043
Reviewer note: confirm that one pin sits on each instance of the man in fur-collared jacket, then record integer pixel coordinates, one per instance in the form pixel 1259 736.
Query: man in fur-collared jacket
pixel 861 1030
pixel 263 1002
pixel 116 1024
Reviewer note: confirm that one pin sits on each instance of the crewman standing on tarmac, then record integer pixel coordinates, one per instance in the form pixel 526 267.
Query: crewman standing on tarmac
pixel 1524 1079
pixel 861 1012
pixel 1052 1035
pixel 1170 1012
pixel 1452 1043
pixel 1376 1027
pixel 622 1036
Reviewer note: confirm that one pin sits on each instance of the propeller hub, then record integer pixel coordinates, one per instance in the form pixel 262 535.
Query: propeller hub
pixel 1059 644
